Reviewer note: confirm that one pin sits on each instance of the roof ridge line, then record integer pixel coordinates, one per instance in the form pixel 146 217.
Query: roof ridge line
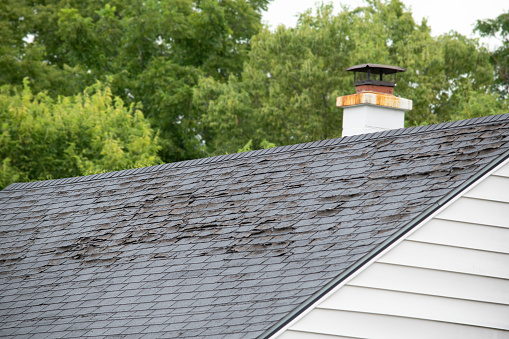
pixel 486 120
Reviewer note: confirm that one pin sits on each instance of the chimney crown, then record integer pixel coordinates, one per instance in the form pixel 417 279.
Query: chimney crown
pixel 374 107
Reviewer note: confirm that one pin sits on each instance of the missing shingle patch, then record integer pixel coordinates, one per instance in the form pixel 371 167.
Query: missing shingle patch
pixel 278 248
pixel 328 212
pixel 10 260
pixel 341 198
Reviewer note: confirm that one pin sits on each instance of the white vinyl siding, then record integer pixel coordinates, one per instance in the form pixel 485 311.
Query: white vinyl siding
pixel 366 325
pixel 449 258
pixel 447 279
pixel 460 234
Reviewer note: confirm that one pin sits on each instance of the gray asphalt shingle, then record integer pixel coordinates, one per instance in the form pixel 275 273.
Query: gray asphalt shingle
pixel 222 247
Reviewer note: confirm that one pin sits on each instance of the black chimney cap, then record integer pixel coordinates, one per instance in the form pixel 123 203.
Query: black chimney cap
pixel 374 74
pixel 377 69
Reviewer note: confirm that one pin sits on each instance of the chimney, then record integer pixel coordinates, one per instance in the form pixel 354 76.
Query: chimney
pixel 373 108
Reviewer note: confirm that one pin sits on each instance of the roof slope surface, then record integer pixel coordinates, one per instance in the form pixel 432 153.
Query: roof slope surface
pixel 222 247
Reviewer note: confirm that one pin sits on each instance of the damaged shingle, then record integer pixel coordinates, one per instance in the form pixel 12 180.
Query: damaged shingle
pixel 220 247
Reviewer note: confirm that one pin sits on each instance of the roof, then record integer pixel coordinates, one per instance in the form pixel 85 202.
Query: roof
pixel 223 247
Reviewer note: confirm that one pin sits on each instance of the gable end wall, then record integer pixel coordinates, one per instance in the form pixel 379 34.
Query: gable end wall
pixel 448 278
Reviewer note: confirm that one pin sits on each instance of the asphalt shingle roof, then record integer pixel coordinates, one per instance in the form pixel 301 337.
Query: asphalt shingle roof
pixel 222 247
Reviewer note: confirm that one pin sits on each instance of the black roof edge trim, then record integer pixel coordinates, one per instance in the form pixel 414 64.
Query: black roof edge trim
pixel 377 250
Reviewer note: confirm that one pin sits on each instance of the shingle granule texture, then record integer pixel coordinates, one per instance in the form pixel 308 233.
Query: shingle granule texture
pixel 222 247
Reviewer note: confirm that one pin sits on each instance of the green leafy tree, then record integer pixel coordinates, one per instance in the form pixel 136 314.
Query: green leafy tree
pixel 287 91
pixel 20 58
pixel 44 138
pixel 498 28
pixel 154 51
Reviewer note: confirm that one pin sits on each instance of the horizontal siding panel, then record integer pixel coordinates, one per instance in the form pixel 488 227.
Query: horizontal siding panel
pixel 455 233
pixel 448 258
pixel 418 306
pixel 433 282
pixel 364 325
pixel 492 188
pixel 308 335
pixel 504 171
pixel 477 211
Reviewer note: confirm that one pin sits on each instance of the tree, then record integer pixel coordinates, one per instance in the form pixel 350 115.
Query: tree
pixel 498 27
pixel 287 91
pixel 44 138
pixel 153 52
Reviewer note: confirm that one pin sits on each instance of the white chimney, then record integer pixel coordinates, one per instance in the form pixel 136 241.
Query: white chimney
pixel 373 108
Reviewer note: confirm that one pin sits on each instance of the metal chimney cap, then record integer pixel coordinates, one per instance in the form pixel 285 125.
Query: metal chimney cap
pixel 376 69
pixel 383 77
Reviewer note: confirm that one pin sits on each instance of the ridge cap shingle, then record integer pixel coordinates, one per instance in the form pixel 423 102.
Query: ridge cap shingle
pixel 486 120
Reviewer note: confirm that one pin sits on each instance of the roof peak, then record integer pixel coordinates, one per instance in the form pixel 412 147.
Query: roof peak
pixel 280 149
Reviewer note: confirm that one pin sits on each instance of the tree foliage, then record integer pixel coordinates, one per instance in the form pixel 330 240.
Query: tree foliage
pixel 211 80
pixel 287 91
pixel 44 138
pixel 498 28
pixel 154 52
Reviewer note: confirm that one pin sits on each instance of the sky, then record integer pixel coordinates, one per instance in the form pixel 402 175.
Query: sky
pixel 443 15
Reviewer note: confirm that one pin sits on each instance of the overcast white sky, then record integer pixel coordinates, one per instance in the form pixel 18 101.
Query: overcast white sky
pixel 443 15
